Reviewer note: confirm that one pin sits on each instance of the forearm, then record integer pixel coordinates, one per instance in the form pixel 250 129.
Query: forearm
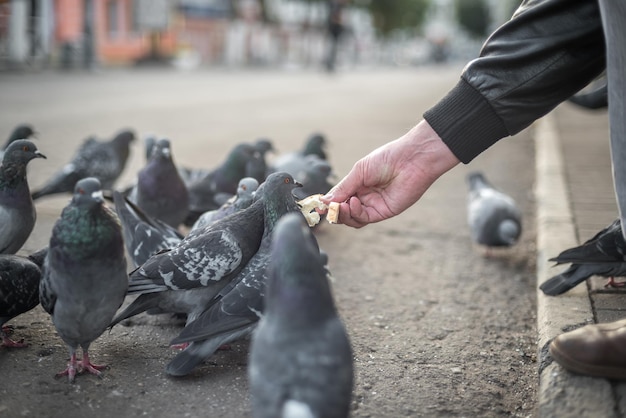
pixel 546 53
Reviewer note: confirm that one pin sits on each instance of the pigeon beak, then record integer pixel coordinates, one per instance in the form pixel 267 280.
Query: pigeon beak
pixel 297 183
pixel 40 155
pixel 98 196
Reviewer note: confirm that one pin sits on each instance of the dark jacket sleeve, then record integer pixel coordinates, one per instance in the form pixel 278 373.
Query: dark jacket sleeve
pixel 548 51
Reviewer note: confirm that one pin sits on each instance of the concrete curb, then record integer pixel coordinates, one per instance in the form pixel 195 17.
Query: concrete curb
pixel 560 394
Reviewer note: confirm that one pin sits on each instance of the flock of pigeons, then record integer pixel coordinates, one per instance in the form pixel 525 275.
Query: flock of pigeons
pixel 248 265
pixel 248 262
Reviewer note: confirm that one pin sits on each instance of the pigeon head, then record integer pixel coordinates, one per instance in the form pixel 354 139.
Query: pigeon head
pixel 88 193
pixel 263 146
pixel 476 179
pixel 247 186
pixel 162 149
pixel 278 198
pixel 297 278
pixel 315 145
pixel 125 136
pixel 21 151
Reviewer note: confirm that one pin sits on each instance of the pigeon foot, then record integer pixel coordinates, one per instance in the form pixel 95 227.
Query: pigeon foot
pixel 612 283
pixel 180 346
pixel 9 343
pixel 81 366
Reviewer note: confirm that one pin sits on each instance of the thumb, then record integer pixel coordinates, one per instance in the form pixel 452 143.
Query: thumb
pixel 342 191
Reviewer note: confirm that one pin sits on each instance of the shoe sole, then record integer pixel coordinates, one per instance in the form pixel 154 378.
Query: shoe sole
pixel 585 369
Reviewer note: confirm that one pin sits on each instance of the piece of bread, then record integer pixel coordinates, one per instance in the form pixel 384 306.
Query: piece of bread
pixel 309 204
pixel 333 212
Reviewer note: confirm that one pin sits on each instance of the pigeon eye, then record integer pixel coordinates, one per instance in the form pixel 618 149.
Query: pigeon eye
pixel 81 191
pixel 25 148
pixel 287 181
pixel 244 188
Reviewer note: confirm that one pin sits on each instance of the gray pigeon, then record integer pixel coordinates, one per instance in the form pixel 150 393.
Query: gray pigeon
pixel 160 192
pixel 104 160
pixel 85 279
pixel 236 310
pixel 300 355
pixel 493 217
pixel 22 131
pixel 314 176
pixel 292 162
pixel 19 289
pixel 17 212
pixel 257 166
pixel 223 179
pixel 187 277
pixel 242 199
pixel 602 255
pixel 144 236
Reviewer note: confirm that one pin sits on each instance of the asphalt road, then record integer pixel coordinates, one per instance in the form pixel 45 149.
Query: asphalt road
pixel 437 328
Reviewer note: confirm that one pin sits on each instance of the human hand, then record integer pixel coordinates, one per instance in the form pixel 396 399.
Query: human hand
pixel 391 178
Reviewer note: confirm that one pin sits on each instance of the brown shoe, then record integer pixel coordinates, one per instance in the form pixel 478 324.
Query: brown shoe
pixel 595 350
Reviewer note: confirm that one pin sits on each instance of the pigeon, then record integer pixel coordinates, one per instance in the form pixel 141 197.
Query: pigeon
pixel 144 236
pixel 187 277
pixel 17 212
pixel 602 255
pixel 160 191
pixel 104 160
pixel 493 217
pixel 300 353
pixel 292 162
pixel 257 165
pixel 22 131
pixel 223 179
pixel 242 199
pixel 314 176
pixel 19 289
pixel 235 311
pixel 85 278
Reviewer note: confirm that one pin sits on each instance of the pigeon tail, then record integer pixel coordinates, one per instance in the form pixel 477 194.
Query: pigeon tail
pixel 565 281
pixel 144 302
pixel 509 231
pixel 194 354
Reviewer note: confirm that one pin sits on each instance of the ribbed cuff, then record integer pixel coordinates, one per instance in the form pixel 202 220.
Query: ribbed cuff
pixel 466 122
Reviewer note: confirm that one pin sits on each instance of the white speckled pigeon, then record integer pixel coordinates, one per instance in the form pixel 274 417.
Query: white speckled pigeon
pixel 187 277
pixel 602 255
pixel 493 217
pixel 144 236
pixel 236 310
pixel 300 354
pixel 19 289
pixel 160 192
pixel 242 199
pixel 17 212
pixel 85 279
pixel 104 160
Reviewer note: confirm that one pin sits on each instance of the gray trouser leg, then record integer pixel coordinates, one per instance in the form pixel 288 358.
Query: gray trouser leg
pixel 614 22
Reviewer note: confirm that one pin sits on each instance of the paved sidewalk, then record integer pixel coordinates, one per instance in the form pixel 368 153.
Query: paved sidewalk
pixel 574 194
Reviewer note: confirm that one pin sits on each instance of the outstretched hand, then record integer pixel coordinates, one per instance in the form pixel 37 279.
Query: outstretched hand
pixel 391 178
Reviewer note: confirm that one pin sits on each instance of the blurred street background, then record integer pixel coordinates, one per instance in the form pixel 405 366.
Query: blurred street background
pixel 293 34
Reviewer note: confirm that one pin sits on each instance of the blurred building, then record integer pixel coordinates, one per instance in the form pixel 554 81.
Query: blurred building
pixel 187 33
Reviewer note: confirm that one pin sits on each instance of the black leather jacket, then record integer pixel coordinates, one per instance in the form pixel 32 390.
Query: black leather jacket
pixel 548 51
